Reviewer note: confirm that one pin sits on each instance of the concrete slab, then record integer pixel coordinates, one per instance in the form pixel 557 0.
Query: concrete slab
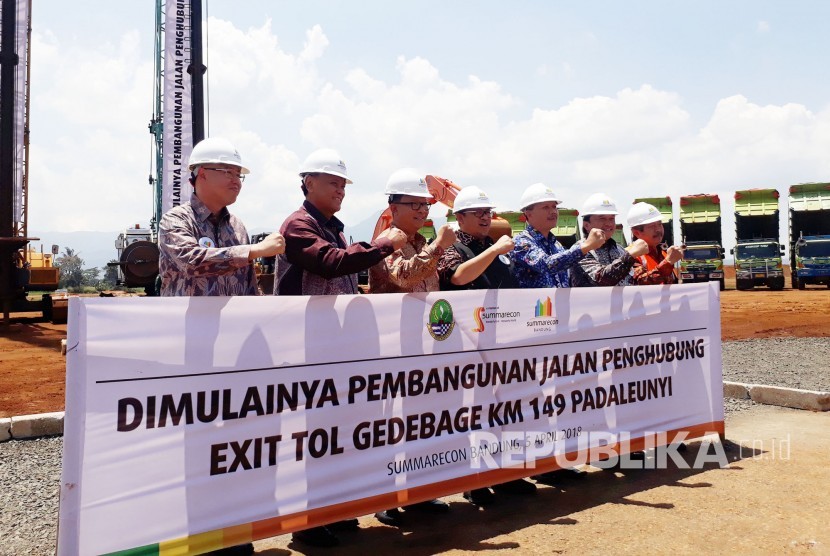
pixel 735 390
pixel 34 426
pixel 5 428
pixel 790 397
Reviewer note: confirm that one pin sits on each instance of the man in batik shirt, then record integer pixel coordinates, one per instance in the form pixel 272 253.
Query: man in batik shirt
pixel 203 248
pixel 539 259
pixel 477 262
pixel 412 268
pixel 610 264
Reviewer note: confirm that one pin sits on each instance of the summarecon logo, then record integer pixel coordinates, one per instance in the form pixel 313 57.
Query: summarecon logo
pixel 491 315
pixel 544 308
pixel 543 320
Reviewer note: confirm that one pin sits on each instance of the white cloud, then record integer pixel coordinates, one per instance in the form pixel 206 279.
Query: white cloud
pixel 90 172
pixel 763 27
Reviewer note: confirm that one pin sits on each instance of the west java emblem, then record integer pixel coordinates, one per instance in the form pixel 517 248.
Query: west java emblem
pixel 441 321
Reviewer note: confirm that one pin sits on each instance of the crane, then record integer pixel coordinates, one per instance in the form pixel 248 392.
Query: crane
pixel 176 125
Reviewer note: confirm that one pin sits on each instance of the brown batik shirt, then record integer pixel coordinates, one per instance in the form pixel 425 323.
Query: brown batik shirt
pixel 412 268
pixel 203 254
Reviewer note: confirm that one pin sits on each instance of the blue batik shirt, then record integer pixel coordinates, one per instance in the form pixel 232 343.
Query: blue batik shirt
pixel 540 261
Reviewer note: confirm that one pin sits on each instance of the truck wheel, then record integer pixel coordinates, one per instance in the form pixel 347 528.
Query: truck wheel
pixel 777 284
pixel 800 284
pixel 722 284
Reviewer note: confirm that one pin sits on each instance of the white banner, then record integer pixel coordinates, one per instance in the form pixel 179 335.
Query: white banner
pixel 198 423
pixel 177 104
pixel 22 50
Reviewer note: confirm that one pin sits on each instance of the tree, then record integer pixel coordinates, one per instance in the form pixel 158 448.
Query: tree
pixel 110 275
pixel 91 277
pixel 71 269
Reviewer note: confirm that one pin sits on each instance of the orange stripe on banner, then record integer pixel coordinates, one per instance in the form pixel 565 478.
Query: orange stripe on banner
pixel 364 506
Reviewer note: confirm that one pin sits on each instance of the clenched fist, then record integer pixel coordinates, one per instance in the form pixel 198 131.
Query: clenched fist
pixel 503 245
pixel 638 247
pixel 396 236
pixel 272 245
pixel 445 236
pixel 596 238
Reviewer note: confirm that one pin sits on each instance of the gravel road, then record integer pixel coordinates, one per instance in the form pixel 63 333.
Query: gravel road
pixel 802 363
pixel 30 470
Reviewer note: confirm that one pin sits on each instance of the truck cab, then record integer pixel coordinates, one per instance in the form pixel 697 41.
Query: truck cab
pixel 811 261
pixel 758 263
pixel 809 234
pixel 757 251
pixel 702 262
pixel 701 231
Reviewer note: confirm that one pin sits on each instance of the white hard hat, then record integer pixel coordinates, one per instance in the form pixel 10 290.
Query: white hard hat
pixel 643 213
pixel 599 203
pixel 537 193
pixel 471 197
pixel 407 181
pixel 325 161
pixel 215 150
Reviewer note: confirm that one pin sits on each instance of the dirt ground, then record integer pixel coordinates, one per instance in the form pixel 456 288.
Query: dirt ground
pixel 33 369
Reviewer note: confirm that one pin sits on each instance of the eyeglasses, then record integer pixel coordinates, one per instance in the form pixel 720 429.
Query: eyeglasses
pixel 230 174
pixel 415 206
pixel 480 213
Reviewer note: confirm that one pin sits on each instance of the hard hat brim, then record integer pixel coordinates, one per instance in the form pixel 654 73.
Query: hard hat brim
pixel 413 194
pixel 545 200
pixel 598 212
pixel 474 206
pixel 338 174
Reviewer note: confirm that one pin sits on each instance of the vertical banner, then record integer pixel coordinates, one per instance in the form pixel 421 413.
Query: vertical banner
pixel 177 117
pixel 199 423
pixel 20 77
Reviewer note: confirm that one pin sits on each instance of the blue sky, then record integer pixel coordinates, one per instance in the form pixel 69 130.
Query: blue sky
pixel 629 98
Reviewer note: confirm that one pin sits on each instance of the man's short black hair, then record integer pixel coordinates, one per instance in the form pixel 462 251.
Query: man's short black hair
pixel 302 182
pixel 395 198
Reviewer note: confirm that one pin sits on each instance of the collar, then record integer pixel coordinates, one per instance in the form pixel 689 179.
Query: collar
pixel 539 235
pixel 332 222
pixel 610 243
pixel 469 239
pixel 203 213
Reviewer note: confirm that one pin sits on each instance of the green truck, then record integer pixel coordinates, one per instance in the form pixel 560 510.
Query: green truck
pixel 810 234
pixel 664 205
pixel 757 250
pixel 700 227
pixel 567 227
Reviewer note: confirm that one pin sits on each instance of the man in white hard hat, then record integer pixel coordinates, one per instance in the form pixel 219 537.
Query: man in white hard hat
pixel 203 248
pixel 540 260
pixel 317 259
pixel 412 268
pixel 657 265
pixel 475 262
pixel 609 264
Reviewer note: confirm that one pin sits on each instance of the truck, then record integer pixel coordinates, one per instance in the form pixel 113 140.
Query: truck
pixel 700 228
pixel 138 259
pixel 664 205
pixel 809 234
pixel 757 250
pixel 567 227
